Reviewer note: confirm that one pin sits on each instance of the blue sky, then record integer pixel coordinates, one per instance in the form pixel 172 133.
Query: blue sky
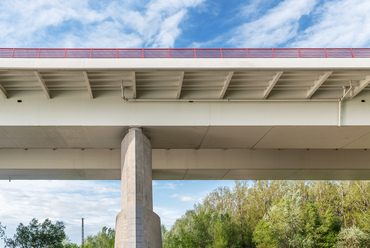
pixel 157 23
pixel 184 23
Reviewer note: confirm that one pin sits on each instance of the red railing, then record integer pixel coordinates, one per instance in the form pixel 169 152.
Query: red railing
pixel 185 53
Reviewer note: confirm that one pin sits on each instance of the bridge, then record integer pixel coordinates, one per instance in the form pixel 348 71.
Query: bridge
pixel 187 114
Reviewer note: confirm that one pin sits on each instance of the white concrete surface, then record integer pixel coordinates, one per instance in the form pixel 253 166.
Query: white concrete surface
pixel 173 63
pixel 189 164
pixel 77 109
pixel 137 226
pixel 249 105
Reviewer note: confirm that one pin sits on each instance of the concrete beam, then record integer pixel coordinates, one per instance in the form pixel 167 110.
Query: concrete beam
pixel 187 63
pixel 237 164
pixel 76 109
pixel 42 84
pixel 271 84
pixel 318 83
pixel 3 92
pixel 362 84
pixel 133 80
pixel 226 84
pixel 179 87
pixel 189 164
pixel 88 85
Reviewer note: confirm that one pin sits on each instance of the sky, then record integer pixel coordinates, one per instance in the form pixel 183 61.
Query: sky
pixel 98 202
pixel 152 24
pixel 184 23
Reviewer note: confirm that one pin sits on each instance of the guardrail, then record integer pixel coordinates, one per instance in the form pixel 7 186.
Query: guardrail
pixel 185 53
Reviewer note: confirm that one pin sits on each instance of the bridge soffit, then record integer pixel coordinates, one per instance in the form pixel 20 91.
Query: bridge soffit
pixel 192 84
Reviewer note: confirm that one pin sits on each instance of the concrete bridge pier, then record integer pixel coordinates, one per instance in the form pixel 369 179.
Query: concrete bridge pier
pixel 137 226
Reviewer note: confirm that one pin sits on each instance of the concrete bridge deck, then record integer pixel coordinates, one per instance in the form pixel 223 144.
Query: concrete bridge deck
pixel 207 118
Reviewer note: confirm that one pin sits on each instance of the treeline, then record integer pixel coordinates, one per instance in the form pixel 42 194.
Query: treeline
pixel 48 234
pixel 277 214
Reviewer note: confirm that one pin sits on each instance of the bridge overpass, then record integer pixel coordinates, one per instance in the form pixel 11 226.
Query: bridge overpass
pixel 138 114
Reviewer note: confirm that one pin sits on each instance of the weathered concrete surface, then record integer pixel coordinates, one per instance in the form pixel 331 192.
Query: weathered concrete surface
pixel 137 226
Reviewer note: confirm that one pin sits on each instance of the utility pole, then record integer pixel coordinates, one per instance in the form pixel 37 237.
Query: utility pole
pixel 82 241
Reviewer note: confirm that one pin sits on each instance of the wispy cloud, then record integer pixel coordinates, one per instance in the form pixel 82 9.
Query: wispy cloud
pixel 161 23
pixel 166 185
pixel 23 22
pixel 56 23
pixel 168 215
pixel 303 23
pixel 275 28
pixel 185 198
pixel 67 201
pixel 344 23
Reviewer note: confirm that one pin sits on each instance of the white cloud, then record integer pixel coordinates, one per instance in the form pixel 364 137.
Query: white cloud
pixel 344 23
pixel 184 198
pixel 168 215
pixel 335 23
pixel 169 30
pixel 277 27
pixel 253 8
pixel 23 22
pixel 66 201
pixel 159 23
pixel 68 23
pixel 165 185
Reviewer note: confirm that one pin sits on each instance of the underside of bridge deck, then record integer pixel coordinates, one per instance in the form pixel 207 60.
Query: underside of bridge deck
pixel 235 118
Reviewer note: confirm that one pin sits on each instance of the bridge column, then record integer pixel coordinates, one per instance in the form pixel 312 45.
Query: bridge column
pixel 137 226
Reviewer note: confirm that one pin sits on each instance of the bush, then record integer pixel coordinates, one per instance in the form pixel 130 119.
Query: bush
pixel 353 237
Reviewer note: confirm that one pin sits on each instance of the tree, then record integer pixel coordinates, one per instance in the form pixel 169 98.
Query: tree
pixel 2 233
pixel 283 225
pixel 104 239
pixel 225 232
pixel 203 228
pixel 260 197
pixel 322 230
pixel 37 235
pixel 68 244
pixel 240 203
pixel 270 214
pixel 353 237
pixel 182 232
pixel 350 201
pixel 163 232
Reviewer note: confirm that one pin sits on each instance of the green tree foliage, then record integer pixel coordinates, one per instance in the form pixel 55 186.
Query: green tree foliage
pixel 2 232
pixel 181 233
pixel 104 239
pixel 283 225
pixel 349 201
pixel 292 222
pixel 202 228
pixel 38 235
pixel 274 214
pixel 68 244
pixel 322 229
pixel 353 237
